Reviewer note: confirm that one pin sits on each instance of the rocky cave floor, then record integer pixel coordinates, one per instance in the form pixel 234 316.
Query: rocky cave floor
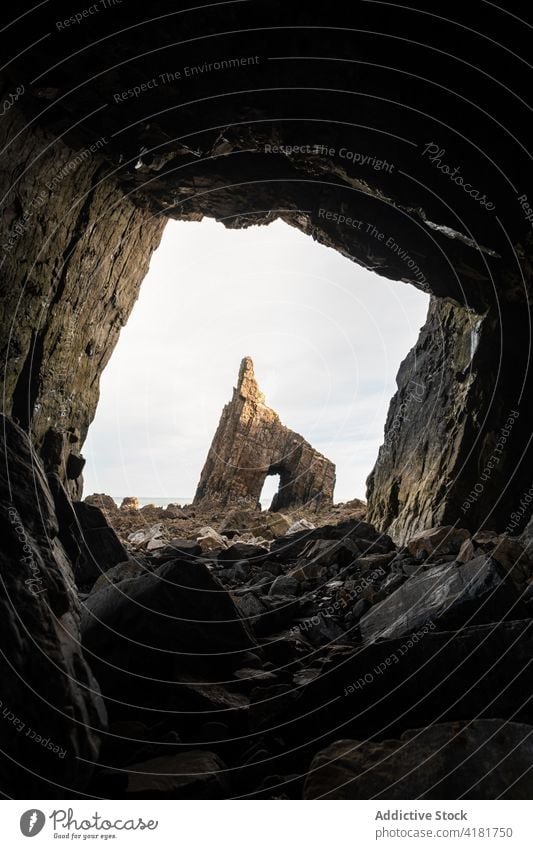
pixel 258 655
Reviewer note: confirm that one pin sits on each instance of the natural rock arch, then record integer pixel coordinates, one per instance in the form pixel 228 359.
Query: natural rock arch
pixel 251 443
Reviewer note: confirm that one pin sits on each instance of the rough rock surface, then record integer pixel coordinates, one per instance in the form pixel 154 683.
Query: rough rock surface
pixel 482 759
pixel 148 625
pixel 251 443
pixel 52 711
pixel 449 596
pixel 189 775
pixel 78 263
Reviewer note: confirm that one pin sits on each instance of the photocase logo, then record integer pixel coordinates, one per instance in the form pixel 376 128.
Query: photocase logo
pixel 32 822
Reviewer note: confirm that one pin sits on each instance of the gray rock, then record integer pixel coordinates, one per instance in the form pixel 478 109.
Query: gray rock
pixel 242 551
pixel 153 625
pixel 285 585
pixel 481 759
pixel 251 607
pixel 181 548
pixel 89 540
pixel 188 775
pixel 118 573
pixel 450 596
pixel 389 686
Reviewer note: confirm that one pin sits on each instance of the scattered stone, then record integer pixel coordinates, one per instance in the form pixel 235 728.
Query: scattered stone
pixel 448 596
pixel 243 551
pixel 140 539
pixel 118 573
pixel 155 544
pixel 130 503
pixel 188 775
pixel 300 525
pixel 103 501
pixel 285 585
pixel 480 759
pixel 441 540
pixel 209 540
pixel 180 615
pixel 517 562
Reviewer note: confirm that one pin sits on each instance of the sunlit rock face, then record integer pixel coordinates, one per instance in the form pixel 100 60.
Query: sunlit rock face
pixel 251 443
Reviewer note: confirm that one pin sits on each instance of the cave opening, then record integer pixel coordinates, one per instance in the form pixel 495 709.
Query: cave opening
pixel 190 666
pixel 326 336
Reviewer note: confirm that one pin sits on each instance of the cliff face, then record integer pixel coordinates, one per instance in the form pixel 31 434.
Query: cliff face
pixel 251 443
pixel 74 253
pixel 455 431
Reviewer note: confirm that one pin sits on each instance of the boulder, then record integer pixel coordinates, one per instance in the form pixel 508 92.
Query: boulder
pixel 187 775
pixel 151 512
pixel 52 711
pixel 477 759
pixel 468 551
pixel 515 559
pixel 118 573
pixel 252 608
pixel 99 546
pixel 267 615
pixel 210 540
pixel 103 501
pixel 259 523
pixel 449 596
pixel 130 503
pixel 149 628
pixel 389 686
pixel 90 542
pixel 300 525
pixel 141 538
pixel 182 548
pixel 351 531
pixel 445 539
pixel 242 551
pixel 174 511
pixel 285 585
pixel 239 520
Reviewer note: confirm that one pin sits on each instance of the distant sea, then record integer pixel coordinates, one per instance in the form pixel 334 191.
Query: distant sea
pixel 174 499
pixel 159 502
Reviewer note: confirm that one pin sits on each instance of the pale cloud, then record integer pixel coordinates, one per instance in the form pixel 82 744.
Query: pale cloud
pixel 325 335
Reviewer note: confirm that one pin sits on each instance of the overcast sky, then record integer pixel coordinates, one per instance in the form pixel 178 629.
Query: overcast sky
pixel 326 338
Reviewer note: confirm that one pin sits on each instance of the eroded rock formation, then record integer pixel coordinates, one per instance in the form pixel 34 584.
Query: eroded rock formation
pixel 251 443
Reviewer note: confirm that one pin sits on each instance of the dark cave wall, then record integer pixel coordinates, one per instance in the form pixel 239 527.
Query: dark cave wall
pixel 74 252
pixel 456 440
